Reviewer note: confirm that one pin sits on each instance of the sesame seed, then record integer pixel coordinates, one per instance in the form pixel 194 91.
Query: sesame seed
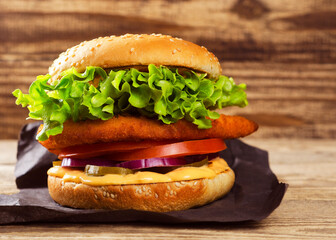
pixel 144 188
pixel 195 183
pixel 171 192
pixel 170 39
pixel 112 195
pixel 156 195
pixel 178 49
pixel 132 50
pixel 104 194
pixel 177 184
pixel 81 62
pixel 168 187
pixel 107 194
pixel 174 51
pixel 121 189
pixel 95 196
pixel 175 193
pixel 182 183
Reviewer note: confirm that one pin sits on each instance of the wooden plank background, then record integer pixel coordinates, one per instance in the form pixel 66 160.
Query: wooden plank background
pixel 284 50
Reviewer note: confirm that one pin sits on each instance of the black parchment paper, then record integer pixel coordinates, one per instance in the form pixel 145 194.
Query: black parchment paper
pixel 255 195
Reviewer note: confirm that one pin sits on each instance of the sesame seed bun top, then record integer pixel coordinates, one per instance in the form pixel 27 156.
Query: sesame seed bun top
pixel 136 50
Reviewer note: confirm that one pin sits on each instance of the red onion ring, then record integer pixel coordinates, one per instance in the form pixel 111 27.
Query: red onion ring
pixel 137 164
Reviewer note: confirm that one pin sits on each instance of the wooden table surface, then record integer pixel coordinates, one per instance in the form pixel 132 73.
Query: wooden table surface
pixel 308 210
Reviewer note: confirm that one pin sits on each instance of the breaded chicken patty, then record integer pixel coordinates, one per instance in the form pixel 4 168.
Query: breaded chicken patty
pixel 137 128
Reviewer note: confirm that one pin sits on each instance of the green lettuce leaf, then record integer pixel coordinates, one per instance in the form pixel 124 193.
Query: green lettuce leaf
pixel 161 93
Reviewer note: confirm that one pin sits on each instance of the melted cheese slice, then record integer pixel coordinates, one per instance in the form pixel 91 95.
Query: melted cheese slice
pixel 215 166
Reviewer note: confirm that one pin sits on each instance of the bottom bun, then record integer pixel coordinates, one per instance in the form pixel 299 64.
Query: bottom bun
pixel 156 197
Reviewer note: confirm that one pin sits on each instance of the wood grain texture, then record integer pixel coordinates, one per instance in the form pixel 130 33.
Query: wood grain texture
pixel 308 210
pixel 284 50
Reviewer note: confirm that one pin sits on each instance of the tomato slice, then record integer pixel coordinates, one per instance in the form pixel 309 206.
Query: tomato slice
pixel 178 149
pixel 98 149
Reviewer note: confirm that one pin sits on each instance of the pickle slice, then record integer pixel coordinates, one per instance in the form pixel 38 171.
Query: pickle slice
pixel 164 170
pixel 93 170
pixel 57 163
pixel 197 164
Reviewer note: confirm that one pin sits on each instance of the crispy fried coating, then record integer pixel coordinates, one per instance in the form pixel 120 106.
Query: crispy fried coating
pixel 135 128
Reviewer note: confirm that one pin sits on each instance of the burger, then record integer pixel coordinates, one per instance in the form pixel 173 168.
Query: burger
pixel 132 119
